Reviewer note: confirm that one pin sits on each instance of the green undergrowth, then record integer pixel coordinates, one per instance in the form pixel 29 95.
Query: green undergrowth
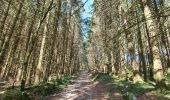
pixel 130 90
pixel 167 78
pixel 37 91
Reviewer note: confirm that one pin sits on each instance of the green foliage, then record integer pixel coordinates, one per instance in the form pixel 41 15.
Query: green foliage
pixel 90 33
pixel 46 89
pixel 129 96
pixel 11 94
pixel 103 77
pixel 166 93
pixel 84 53
pixel 128 89
pixel 129 73
pixel 40 90
pixel 15 95
pixel 167 78
pixel 64 81
pixel 51 87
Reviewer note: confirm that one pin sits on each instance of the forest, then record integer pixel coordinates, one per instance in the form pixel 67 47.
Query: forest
pixel 121 52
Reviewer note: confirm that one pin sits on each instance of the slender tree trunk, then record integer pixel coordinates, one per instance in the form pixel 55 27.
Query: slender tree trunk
pixel 157 65
pixel 15 44
pixel 30 42
pixel 39 70
pixel 7 40
pixel 56 19
pixel 141 51
pixel 3 24
pixel 136 60
pixel 168 38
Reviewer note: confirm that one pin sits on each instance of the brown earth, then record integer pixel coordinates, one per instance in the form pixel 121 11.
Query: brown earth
pixel 84 89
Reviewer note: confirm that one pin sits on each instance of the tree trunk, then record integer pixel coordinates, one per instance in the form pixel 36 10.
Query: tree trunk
pixel 7 40
pixel 39 70
pixel 56 19
pixel 157 65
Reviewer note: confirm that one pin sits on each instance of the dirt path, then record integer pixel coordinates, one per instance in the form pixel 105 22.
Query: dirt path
pixel 83 89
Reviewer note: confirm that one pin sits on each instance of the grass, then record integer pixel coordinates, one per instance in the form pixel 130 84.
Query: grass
pixel 130 90
pixel 40 90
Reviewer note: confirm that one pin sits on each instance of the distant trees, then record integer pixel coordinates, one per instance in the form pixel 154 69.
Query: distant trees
pixel 39 40
pixel 132 37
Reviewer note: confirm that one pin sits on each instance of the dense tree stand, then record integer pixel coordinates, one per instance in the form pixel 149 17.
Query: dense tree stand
pixel 43 43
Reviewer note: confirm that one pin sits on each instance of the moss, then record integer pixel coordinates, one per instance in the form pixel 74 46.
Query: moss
pixel 40 90
pixel 129 96
pixel 128 89
pixel 15 95
pixel 103 77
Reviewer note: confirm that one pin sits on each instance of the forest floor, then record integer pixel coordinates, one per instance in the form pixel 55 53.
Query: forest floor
pixel 83 88
pixel 105 87
pixel 3 86
pixel 98 86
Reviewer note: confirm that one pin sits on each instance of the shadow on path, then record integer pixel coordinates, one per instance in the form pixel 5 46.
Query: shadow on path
pixel 83 89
